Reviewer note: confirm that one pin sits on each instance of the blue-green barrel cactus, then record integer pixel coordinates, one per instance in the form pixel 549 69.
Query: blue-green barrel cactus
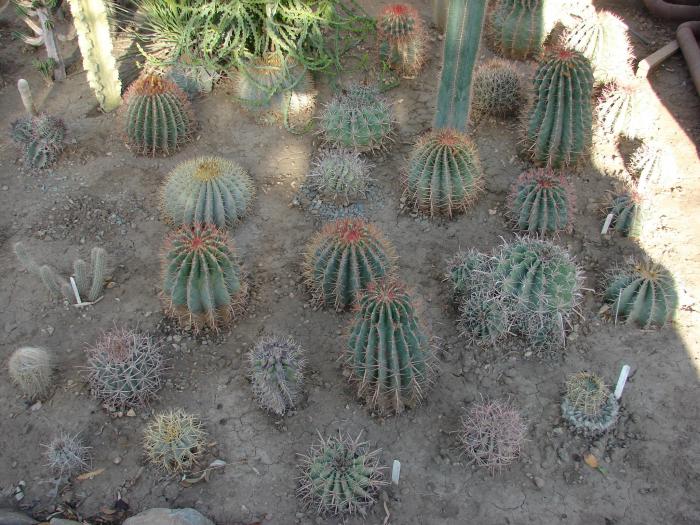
pixel 518 28
pixel 541 202
pixel 402 41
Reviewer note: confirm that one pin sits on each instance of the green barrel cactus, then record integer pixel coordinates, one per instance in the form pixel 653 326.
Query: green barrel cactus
pixel 559 125
pixel 652 163
pixel 202 281
pixel 210 190
pixel 41 138
pixel 498 89
pixel 588 405
pixel 624 110
pixel 469 272
pixel 642 293
pixel 343 258
pixel 627 212
pixel 340 175
pixel 541 202
pixel 401 36
pixel 518 28
pixel 388 354
pixel 174 441
pixel 484 318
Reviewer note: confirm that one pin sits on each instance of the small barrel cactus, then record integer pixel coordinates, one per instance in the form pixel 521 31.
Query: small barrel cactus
pixel 174 441
pixel 519 28
pixel 41 139
pixel 67 455
pixel 31 370
pixel 498 89
pixel 624 110
pixel 202 282
pixel 544 332
pixel 157 117
pixel 340 475
pixel 276 372
pixel 193 79
pixel 444 173
pixel 541 202
pixel 389 355
pixel 643 293
pixel 340 175
pixel 492 434
pixel 469 272
pixel 484 318
pixel 207 190
pixel 627 212
pixel 343 258
pixel 401 36
pixel 359 119
pixel 124 369
pixel 588 404
pixel 652 163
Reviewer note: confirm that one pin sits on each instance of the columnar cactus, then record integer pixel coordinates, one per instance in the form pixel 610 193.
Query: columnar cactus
pixel 444 174
pixel 343 258
pixel 643 293
pixel 520 27
pixel 341 175
pixel 588 405
pixel 498 89
pixel 541 202
pixel 174 441
pixel 627 212
pixel 31 370
pixel 202 281
pixel 558 128
pixel 67 455
pixel 389 355
pixel 276 373
pixel 41 139
pixel 90 18
pixel 401 37
pixel 652 162
pixel 340 475
pixel 157 117
pixel 209 190
pixel 624 110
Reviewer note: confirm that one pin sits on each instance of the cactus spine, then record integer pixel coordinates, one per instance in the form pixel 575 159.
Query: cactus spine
pixel 341 175
pixel 91 22
pixel 652 163
pixel 520 27
pixel 541 202
pixel 588 404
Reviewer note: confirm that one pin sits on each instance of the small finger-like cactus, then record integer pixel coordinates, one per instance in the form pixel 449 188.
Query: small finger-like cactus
pixel 31 371
pixel 643 293
pixel 125 369
pixel 492 434
pixel 359 119
pixel 389 355
pixel 541 202
pixel 174 441
pixel 444 174
pixel 202 282
pixel 626 209
pixel 41 139
pixel 484 318
pixel 624 110
pixel 498 89
pixel 588 405
pixel 401 36
pixel 652 163
pixel 469 272
pixel 340 475
pixel 341 175
pixel 343 258
pixel 207 190
pixel 519 27
pixel 67 455
pixel 157 117
pixel 276 372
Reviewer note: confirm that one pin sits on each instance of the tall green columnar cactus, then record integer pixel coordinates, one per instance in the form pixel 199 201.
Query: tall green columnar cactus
pixel 520 27
pixel 559 126
pixel 95 41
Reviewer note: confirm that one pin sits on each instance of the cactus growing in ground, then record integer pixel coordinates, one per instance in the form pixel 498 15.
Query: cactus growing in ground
pixel 652 163
pixel 340 475
pixel 41 138
pixel 469 272
pixel 588 404
pixel 402 41
pixel 67 455
pixel 498 89
pixel 210 190
pixel 484 318
pixel 157 117
pixel 643 293
pixel 626 208
pixel 202 282
pixel 388 354
pixel 558 128
pixel 624 110
pixel 174 441
pixel 31 369
pixel 343 258
pixel 444 174
pixel 277 373
pixel 492 434
pixel 193 79
pixel 341 175
pixel 125 369
pixel 519 27
pixel 541 201
pixel 359 119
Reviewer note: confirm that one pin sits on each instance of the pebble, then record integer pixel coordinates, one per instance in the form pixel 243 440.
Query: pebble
pixel 539 482
pixel 117 460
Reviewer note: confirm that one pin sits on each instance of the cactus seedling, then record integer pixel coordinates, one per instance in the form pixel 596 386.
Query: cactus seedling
pixel 627 212
pixel 276 372
pixel 174 441
pixel 588 404
pixel 519 27
pixel 210 190
pixel 343 258
pixel 67 455
pixel 340 475
pixel 541 202
pixel 341 175
pixel 402 41
pixel 624 110
pixel 498 89
pixel 31 369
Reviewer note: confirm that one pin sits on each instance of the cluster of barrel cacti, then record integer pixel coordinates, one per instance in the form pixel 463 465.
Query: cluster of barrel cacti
pixel 624 110
pixel 627 213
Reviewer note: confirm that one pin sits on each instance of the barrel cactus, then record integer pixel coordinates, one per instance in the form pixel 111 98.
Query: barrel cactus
pixel 340 175
pixel 157 117
pixel 67 455
pixel 402 40
pixel 558 127
pixel 643 293
pixel 652 163
pixel 359 119
pixel 389 355
pixel 41 138
pixel 174 441
pixel 193 79
pixel 627 212
pixel 210 190
pixel 484 318
pixel 624 110
pixel 588 405
pixel 31 370
pixel 469 272
pixel 276 373
pixel 541 202
pixel 518 28
pixel 444 173
pixel 343 258
pixel 202 281
pixel 340 475
pixel 498 89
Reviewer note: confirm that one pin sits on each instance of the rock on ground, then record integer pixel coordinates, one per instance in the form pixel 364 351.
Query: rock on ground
pixel 169 517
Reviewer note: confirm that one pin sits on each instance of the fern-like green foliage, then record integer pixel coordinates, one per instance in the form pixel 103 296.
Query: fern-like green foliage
pixel 541 202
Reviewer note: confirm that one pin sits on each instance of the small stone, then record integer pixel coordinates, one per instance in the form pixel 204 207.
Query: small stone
pixel 539 482
pixel 117 460
pixel 36 406
pixel 131 413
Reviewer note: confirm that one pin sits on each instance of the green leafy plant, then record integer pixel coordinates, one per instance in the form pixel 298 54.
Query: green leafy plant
pixel 541 201
pixel 174 441
pixel 402 39
pixel 44 34
pixel 588 405
pixel 31 370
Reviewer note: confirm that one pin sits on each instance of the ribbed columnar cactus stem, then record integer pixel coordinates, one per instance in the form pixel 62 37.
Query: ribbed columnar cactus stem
pixel 26 93
pixel 94 38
